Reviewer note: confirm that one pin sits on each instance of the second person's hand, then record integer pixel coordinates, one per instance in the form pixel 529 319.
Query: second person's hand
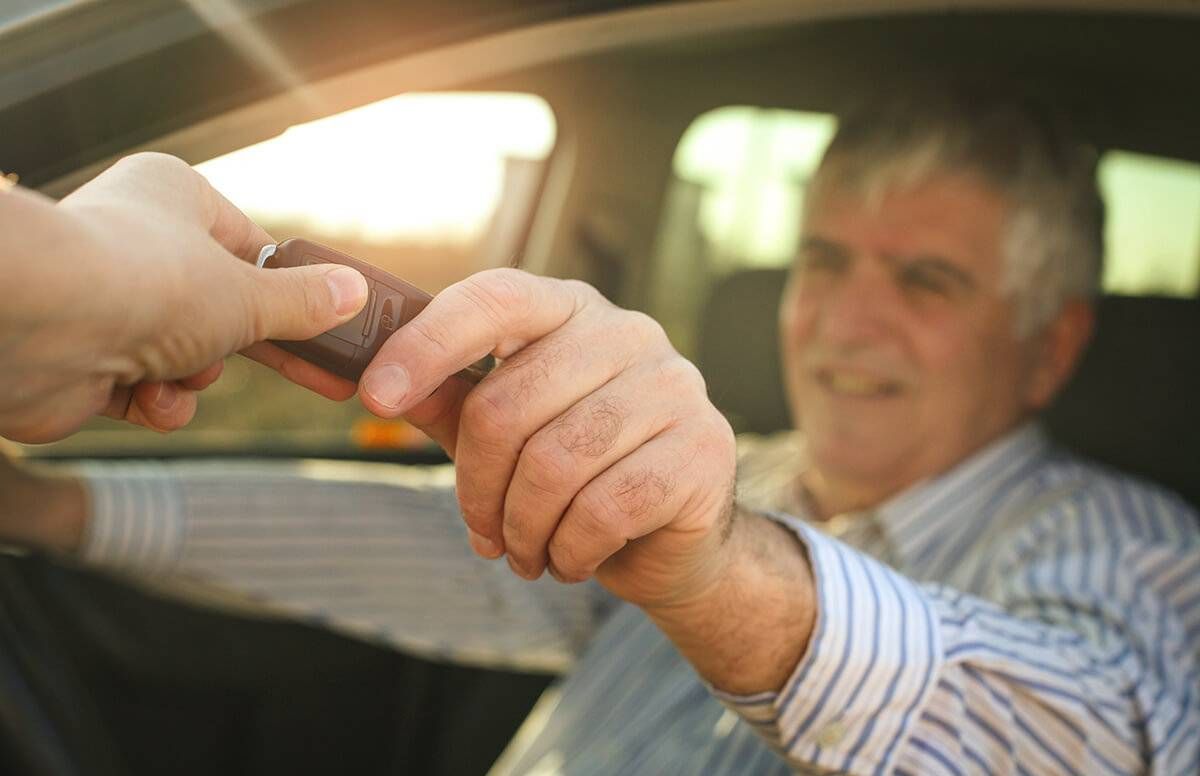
pixel 131 292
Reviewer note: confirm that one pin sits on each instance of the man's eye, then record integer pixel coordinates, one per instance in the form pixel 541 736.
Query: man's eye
pixel 921 279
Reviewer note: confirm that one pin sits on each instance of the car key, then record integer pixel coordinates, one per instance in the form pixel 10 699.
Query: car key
pixel 346 350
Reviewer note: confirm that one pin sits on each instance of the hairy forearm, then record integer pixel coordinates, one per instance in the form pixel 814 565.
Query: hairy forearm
pixel 747 634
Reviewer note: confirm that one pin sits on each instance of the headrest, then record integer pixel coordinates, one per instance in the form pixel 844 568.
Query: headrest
pixel 1134 402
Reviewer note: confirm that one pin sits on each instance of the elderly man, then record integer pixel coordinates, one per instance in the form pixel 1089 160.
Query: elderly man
pixel 989 604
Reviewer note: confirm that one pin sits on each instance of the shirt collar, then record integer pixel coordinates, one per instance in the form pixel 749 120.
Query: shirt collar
pixel 921 516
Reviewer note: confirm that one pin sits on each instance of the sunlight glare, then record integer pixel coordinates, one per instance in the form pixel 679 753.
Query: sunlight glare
pixel 422 167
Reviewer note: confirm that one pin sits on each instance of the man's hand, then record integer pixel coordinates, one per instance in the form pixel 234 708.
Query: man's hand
pixel 124 298
pixel 591 450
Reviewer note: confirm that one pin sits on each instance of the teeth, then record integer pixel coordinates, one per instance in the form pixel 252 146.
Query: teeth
pixel 856 385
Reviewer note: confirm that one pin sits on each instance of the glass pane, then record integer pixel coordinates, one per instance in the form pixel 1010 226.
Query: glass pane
pixel 734 202
pixel 753 165
pixel 1152 235
pixel 431 187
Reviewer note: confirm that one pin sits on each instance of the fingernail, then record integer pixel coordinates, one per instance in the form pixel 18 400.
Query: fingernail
pixel 166 397
pixel 387 385
pixel 483 545
pixel 520 570
pixel 348 289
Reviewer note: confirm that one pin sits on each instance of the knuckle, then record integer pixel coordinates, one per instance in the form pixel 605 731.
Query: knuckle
pixel 712 437
pixel 476 514
pixel 480 513
pixel 609 511
pixel 489 414
pixel 498 293
pixel 647 329
pixel 526 373
pixel 585 292
pixel 517 535
pixel 544 468
pixel 565 563
pixel 593 429
pixel 489 420
pixel 154 159
pixel 680 377
pixel 638 493
pixel 315 303
pixel 597 514
pixel 724 442
pixel 434 336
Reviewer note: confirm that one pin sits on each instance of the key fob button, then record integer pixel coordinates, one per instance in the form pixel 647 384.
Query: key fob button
pixel 387 318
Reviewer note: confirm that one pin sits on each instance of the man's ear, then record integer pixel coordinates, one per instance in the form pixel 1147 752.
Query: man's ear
pixel 1059 347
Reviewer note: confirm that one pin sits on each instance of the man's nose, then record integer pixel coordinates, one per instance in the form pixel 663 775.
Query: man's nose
pixel 860 307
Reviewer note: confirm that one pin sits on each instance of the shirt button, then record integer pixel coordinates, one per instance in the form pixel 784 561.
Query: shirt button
pixel 831 735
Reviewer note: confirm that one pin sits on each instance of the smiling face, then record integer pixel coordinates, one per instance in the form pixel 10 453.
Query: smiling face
pixel 899 348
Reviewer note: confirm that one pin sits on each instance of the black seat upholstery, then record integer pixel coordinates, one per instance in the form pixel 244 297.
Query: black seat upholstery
pixel 1134 402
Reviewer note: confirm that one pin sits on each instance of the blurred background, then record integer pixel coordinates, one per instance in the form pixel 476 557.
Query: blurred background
pixel 435 186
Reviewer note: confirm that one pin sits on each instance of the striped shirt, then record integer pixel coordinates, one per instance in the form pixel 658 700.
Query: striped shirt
pixel 1035 614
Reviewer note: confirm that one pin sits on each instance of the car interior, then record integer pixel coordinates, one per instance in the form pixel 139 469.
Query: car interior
pixel 675 139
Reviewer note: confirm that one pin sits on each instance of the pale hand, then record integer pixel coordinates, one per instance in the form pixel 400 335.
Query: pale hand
pixel 124 298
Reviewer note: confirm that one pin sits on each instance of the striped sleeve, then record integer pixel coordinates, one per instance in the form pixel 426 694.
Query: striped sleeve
pixel 357 549
pixel 870 668
pixel 920 679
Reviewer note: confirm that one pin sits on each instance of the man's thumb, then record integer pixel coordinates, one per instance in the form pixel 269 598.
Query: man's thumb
pixel 298 303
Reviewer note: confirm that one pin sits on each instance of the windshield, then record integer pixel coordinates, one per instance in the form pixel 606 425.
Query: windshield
pixel 430 187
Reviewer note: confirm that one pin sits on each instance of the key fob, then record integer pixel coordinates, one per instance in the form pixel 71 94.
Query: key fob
pixel 391 302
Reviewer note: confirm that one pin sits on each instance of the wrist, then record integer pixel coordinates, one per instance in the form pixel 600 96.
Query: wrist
pixel 46 511
pixel 709 572
pixel 748 629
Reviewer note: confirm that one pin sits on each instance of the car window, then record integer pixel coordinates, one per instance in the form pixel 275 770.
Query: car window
pixel 1152 234
pixel 737 193
pixel 734 200
pixel 431 187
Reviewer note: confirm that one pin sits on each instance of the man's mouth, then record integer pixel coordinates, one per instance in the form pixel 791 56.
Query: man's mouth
pixel 856 384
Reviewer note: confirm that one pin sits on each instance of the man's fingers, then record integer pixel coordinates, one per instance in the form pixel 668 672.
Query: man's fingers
pixel 563 457
pixel 636 496
pixel 528 391
pixel 438 416
pixel 498 311
pixel 301 372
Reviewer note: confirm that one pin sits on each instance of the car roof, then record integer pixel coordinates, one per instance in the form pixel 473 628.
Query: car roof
pixel 1128 68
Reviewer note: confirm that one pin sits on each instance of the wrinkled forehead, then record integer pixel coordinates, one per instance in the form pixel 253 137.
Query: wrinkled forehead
pixel 870 175
pixel 950 217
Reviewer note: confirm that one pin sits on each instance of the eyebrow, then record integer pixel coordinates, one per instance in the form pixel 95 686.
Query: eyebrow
pixel 940 265
pixel 809 243
pixel 943 266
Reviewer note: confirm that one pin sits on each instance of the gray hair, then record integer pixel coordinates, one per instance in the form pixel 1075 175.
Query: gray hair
pixel 1053 244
